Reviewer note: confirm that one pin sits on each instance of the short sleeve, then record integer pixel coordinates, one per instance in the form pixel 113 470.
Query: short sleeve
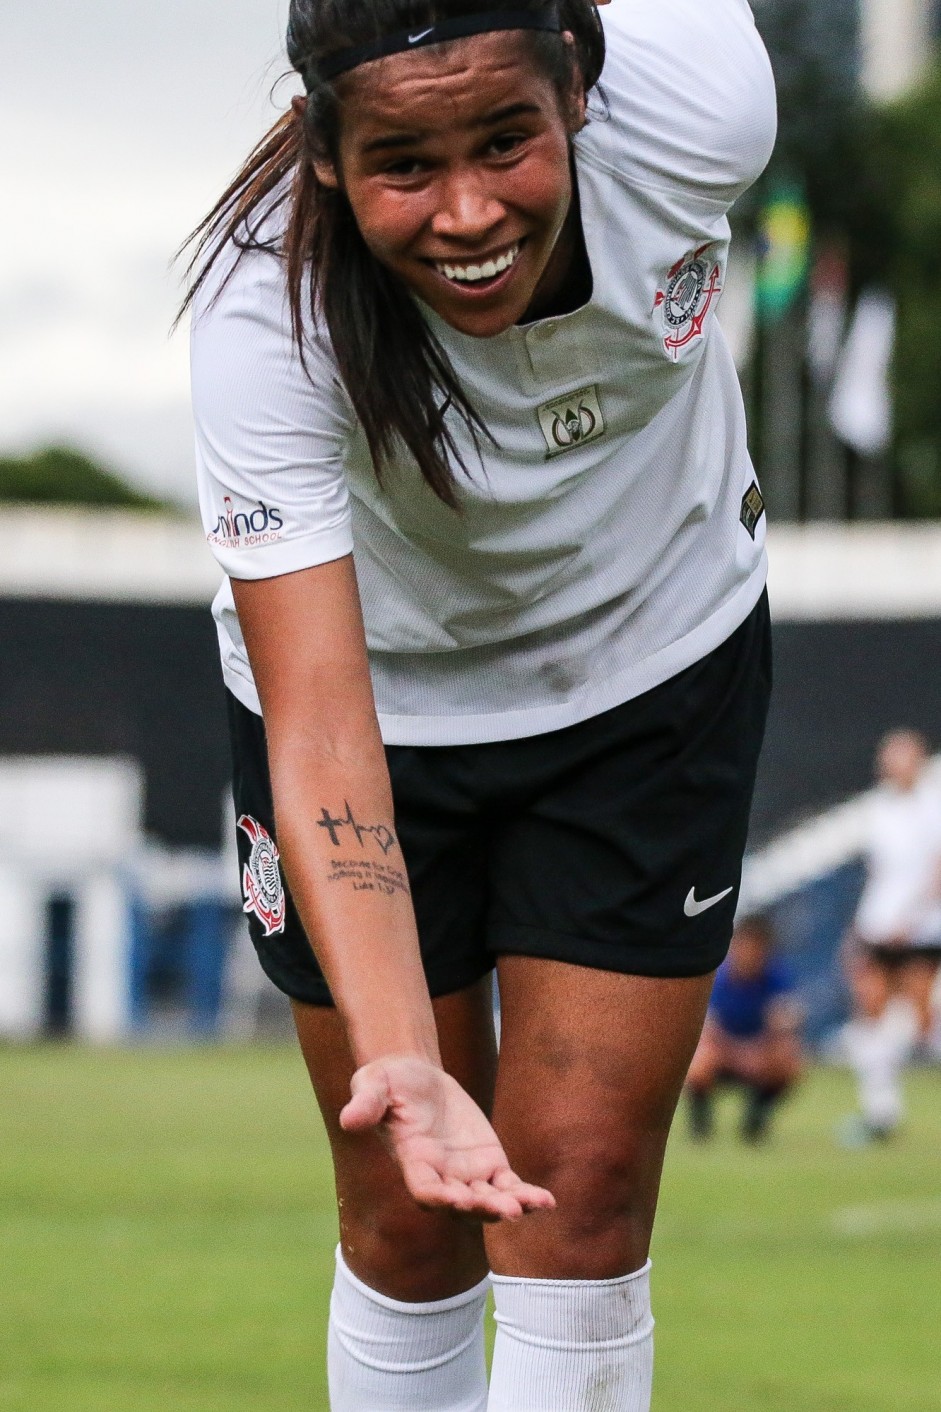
pixel 691 84
pixel 270 434
pixel 779 979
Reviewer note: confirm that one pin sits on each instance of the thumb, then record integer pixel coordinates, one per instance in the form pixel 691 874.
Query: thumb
pixel 369 1104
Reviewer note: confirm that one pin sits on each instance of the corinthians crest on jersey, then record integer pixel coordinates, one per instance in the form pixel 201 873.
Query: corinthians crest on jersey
pixel 261 878
pixel 690 290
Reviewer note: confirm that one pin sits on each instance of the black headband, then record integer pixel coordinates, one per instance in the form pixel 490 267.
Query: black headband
pixel 332 65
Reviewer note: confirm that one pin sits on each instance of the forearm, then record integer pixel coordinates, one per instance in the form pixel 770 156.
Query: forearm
pixel 344 864
pixel 333 804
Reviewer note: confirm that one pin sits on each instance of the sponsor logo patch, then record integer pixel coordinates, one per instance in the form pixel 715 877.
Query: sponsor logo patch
pixel 691 288
pixel 246 529
pixel 262 887
pixel 572 421
pixel 753 507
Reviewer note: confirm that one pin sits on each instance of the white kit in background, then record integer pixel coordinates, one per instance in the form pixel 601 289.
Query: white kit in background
pixel 901 900
pixel 900 905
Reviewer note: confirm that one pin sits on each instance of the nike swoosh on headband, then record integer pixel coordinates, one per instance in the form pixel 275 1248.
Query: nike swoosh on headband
pixel 458 27
pixel 692 908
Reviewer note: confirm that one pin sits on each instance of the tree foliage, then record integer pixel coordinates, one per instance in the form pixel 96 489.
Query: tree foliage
pixel 814 50
pixel 907 157
pixel 60 476
pixel 872 176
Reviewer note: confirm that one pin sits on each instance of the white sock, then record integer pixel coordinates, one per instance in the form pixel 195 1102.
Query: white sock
pixel 386 1356
pixel 878 1050
pixel 572 1345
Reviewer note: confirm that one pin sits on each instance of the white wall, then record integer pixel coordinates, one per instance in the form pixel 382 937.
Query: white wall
pixel 896 44
pixel 68 826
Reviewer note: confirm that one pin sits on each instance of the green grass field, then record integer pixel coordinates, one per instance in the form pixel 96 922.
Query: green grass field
pixel 166 1234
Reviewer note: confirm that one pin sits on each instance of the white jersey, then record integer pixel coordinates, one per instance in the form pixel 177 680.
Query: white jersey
pixel 613 534
pixel 901 899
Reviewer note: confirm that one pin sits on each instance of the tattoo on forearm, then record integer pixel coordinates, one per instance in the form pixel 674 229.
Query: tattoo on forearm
pixel 367 875
pixel 379 833
pixel 363 874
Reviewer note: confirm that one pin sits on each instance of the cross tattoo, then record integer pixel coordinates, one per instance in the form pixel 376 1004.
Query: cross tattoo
pixel 383 836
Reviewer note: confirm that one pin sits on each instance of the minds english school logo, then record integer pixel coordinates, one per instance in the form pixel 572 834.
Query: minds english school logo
pixel 692 287
pixel 572 421
pixel 261 878
pixel 246 529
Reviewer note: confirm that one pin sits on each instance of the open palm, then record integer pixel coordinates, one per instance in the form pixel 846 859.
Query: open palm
pixel 448 1152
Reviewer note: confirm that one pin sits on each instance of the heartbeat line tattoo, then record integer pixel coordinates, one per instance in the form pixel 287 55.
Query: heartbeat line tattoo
pixel 378 832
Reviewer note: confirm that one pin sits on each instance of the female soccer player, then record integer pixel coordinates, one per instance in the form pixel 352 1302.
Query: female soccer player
pixel 894 947
pixel 455 319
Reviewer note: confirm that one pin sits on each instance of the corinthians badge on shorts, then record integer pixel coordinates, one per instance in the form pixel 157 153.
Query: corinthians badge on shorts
pixel 261 878
pixel 573 420
pixel 692 287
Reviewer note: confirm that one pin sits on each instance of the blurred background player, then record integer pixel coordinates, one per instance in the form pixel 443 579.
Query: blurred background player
pixel 894 950
pixel 751 1036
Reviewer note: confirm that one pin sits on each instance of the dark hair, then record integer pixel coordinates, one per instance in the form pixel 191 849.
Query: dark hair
pixel 398 376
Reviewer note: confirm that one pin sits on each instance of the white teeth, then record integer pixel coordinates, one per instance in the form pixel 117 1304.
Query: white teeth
pixel 472 274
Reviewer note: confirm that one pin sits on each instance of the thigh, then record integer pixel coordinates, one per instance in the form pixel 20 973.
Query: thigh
pixel 388 1241
pixel 712 1058
pixel 591 1067
pixel 874 977
pixel 919 976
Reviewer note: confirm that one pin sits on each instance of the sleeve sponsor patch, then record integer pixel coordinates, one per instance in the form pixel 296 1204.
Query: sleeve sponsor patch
pixel 753 507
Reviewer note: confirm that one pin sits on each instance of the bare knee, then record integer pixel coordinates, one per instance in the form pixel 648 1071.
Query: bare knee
pixel 704 1069
pixel 406 1253
pixel 605 1206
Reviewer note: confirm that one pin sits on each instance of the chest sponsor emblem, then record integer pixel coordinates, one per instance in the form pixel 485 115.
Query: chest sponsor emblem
pixel 691 288
pixel 572 421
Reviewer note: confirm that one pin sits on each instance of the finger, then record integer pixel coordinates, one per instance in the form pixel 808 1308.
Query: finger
pixel 478 1199
pixel 494 1205
pixel 533 1198
pixel 366 1109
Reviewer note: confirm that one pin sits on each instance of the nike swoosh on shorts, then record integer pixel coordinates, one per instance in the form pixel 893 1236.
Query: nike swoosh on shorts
pixel 693 908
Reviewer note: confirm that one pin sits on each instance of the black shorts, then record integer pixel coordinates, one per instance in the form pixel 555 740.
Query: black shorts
pixel 615 844
pixel 895 958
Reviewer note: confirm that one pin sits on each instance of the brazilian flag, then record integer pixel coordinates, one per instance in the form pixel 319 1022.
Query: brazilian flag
pixel 784 233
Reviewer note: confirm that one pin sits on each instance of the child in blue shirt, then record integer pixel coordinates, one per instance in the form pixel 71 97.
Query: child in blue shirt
pixel 751 1036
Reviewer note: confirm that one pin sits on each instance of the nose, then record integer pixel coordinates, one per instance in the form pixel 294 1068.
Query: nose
pixel 467 210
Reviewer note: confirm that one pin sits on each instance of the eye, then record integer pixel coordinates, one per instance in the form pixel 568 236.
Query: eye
pixel 403 167
pixel 506 142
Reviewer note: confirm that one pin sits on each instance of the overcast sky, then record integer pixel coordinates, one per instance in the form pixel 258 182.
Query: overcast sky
pixel 120 123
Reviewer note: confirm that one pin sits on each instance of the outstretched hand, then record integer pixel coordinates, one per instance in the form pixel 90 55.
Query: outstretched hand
pixel 448 1152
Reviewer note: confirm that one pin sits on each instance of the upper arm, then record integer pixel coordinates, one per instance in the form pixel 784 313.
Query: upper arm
pixel 271 436
pixel 694 82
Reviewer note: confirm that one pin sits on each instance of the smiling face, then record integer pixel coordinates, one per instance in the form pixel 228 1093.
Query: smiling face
pixel 455 161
